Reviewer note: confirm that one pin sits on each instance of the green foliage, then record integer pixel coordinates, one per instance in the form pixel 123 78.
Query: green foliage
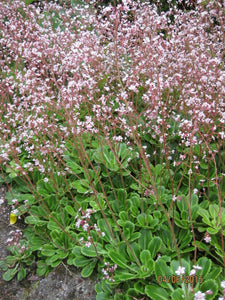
pixel 139 243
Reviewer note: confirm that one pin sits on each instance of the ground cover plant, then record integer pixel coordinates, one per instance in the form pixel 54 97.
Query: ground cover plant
pixel 112 145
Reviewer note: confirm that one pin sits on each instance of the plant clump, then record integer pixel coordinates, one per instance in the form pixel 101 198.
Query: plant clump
pixel 112 144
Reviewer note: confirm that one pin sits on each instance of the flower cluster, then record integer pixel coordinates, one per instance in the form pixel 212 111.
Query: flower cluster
pixel 207 238
pixel 195 269
pixel 108 271
pixel 15 237
pixel 83 221
pixel 202 296
pixel 64 70
pixel 15 242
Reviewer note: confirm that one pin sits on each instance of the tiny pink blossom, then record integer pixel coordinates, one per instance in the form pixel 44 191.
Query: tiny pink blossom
pixel 88 244
pixel 180 270
pixel 207 238
pixel 199 296
pixel 197 267
pixel 209 292
pixel 192 272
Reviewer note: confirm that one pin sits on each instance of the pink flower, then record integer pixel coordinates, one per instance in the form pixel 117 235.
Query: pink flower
pixel 180 270
pixel 88 244
pixel 199 296
pixel 208 292
pixel 207 238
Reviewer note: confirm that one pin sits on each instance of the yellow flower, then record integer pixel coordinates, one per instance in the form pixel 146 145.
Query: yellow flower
pixel 12 219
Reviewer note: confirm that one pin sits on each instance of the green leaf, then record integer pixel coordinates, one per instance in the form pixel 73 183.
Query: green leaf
pixel 214 211
pixel 88 270
pixel 81 261
pixel 77 169
pixel 145 238
pixel 132 251
pixel 38 211
pixel 202 246
pixel 123 216
pixel 181 223
pixel 104 228
pixel 122 275
pixel 205 215
pixel 34 220
pixel 104 287
pixel 154 246
pixel 132 293
pixel 70 210
pixel 134 236
pixel 91 251
pixel 10 260
pixel 214 273
pixel 48 250
pixel 52 225
pixel 209 285
pixel 161 269
pixel 135 187
pixel 212 231
pixel 182 205
pixel 76 250
pixel 134 211
pixel 118 259
pixel 21 274
pixel 82 186
pixel 139 287
pixel 98 206
pixel 42 268
pixel 128 229
pixel 206 264
pixel 52 259
pixel 166 237
pixel 8 275
pixel 156 293
pixel 184 238
pixel 103 296
pixel 145 257
pixel 62 254
pixel 36 242
pixel 194 200
pixel 31 220
pixel 188 249
pixel 141 220
pixel 194 211
pixel 3 265
pixel 178 294
pixel 56 263
pixel 46 188
pixel 146 271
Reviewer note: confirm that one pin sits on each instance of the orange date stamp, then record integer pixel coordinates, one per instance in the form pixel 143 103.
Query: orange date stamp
pixel 180 279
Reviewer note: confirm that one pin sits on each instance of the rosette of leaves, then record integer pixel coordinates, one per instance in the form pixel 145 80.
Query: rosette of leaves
pixel 17 263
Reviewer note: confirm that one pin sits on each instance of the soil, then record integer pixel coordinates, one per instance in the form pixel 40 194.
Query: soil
pixel 64 283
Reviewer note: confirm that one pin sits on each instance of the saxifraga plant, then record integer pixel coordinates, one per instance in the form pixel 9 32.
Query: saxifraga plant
pixel 112 145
